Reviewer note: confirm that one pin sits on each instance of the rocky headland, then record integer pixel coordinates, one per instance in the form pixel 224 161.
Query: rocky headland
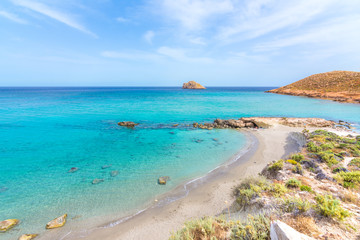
pixel 192 85
pixel 341 86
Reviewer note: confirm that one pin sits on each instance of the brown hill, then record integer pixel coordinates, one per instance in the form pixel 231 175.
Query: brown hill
pixel 342 86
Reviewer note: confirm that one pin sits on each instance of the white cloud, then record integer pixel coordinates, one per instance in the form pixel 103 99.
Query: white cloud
pixel 121 19
pixel 181 55
pixel 148 36
pixel 193 14
pixel 197 40
pixel 12 17
pixel 53 13
pixel 263 17
pixel 132 55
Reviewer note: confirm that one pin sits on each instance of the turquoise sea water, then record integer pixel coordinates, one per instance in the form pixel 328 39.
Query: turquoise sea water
pixel 46 131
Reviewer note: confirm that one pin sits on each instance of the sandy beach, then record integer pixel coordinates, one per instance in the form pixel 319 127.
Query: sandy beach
pixel 210 197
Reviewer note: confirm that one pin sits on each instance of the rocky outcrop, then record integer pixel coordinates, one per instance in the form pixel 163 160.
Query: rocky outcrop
pixel 97 181
pixel 128 124
pixel 192 85
pixel 341 86
pixel 282 231
pixel 265 122
pixel 163 180
pixel 28 236
pixel 7 224
pixel 57 222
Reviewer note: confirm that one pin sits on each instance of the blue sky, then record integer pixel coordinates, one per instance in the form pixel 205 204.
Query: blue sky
pixel 168 42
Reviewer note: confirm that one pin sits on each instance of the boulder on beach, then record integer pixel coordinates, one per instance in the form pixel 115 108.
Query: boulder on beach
pixel 97 180
pixel 7 224
pixel 114 173
pixel 128 124
pixel 73 169
pixel 57 222
pixel 192 85
pixel 28 236
pixel 163 180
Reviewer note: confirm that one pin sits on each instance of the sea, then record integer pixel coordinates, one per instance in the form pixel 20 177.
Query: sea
pixel 45 132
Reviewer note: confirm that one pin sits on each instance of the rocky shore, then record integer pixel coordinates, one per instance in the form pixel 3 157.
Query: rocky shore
pixel 265 122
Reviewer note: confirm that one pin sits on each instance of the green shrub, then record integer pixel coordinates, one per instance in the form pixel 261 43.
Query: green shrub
pixel 327 146
pixel 293 162
pixel 329 158
pixel 293 183
pixel 312 147
pixel 306 188
pixel 249 189
pixel 311 169
pixel 278 190
pixel 355 162
pixel 204 228
pixel 276 166
pixel 255 228
pixel 297 157
pixel 295 205
pixel 349 179
pixel 329 207
pixel 349 140
pixel 297 169
pixel 342 145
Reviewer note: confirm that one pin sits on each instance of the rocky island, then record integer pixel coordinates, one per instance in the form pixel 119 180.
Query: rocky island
pixel 341 86
pixel 192 85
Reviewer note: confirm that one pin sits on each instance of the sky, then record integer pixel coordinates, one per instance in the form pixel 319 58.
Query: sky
pixel 168 42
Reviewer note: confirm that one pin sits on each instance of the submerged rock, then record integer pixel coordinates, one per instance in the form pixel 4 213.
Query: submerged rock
pixel 3 189
pixel 128 124
pixel 97 180
pixel 106 166
pixel 73 169
pixel 7 224
pixel 28 236
pixel 57 222
pixel 114 173
pixel 192 85
pixel 163 180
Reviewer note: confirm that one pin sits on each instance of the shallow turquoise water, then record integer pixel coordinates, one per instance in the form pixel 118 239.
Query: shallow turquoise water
pixel 46 131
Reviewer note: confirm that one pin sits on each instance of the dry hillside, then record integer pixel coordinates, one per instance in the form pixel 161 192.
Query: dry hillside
pixel 343 86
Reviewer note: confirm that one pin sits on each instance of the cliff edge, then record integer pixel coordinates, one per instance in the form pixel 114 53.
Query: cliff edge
pixel 192 85
pixel 341 86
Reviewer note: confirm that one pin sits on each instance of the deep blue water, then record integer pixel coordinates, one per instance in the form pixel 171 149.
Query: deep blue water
pixel 46 131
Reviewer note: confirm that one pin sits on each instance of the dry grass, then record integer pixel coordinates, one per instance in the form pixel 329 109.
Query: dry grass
pixel 305 225
pixel 351 197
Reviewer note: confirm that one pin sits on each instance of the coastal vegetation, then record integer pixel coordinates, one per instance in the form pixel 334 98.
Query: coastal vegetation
pixel 342 86
pixel 322 201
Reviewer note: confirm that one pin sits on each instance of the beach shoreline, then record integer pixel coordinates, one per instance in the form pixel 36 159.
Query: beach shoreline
pixel 210 196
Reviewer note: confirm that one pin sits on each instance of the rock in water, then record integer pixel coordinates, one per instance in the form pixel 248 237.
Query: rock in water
pixel 57 222
pixel 27 236
pixel 7 224
pixel 114 173
pixel 128 124
pixel 192 85
pixel 73 169
pixel 163 180
pixel 106 166
pixel 97 180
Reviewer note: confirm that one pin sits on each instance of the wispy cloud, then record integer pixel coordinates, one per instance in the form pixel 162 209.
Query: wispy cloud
pixel 131 55
pixel 192 14
pixel 148 36
pixel 122 20
pixel 181 55
pixel 54 14
pixel 12 17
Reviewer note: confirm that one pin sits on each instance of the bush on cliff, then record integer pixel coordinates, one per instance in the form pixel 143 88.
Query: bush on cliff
pixel 329 207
